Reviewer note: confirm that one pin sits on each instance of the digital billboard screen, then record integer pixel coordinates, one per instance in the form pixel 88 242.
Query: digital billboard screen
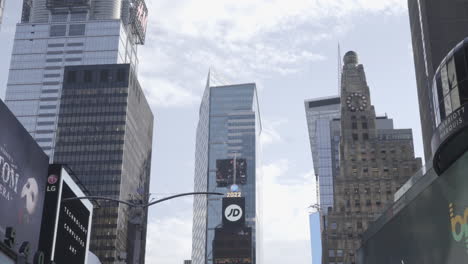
pixel 72 230
pixel 233 212
pixel 23 174
pixel 66 238
pixel 233 246
pixel 139 19
pixel 431 229
pixel 225 172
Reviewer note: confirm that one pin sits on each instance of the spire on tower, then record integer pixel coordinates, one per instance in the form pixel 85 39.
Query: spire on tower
pixel 340 69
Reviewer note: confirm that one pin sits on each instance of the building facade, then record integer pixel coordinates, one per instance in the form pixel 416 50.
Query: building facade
pixel 433 200
pixel 374 164
pixel 436 27
pixel 319 114
pixel 93 118
pixel 228 132
pixel 55 34
pixel 104 135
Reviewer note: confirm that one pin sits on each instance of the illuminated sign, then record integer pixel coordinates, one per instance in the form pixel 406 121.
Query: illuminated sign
pixel 233 212
pixel 139 19
pixel 225 172
pixel 66 239
pixel 233 194
pixel 459 224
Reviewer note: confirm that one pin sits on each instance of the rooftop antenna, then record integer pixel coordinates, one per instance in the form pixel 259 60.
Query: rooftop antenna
pixel 340 69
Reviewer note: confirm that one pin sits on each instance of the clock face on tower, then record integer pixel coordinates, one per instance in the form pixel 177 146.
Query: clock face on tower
pixel 356 102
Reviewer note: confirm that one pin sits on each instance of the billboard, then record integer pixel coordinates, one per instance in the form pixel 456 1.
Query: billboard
pixel 139 19
pixel 233 246
pixel 66 238
pixel 225 172
pixel 23 173
pixel 233 212
pixel 431 229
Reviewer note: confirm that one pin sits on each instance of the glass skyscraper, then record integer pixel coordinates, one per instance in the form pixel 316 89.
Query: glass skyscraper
pixel 54 34
pixel 73 85
pixel 104 135
pixel 228 129
pixel 320 113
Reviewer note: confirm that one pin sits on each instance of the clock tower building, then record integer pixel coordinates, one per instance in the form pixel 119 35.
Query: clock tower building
pixel 375 161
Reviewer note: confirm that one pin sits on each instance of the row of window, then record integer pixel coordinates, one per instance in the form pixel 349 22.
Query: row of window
pixel 61 30
pixel 450 84
pixel 103 76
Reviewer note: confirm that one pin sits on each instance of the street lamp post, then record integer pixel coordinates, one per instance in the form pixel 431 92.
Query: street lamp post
pixel 135 219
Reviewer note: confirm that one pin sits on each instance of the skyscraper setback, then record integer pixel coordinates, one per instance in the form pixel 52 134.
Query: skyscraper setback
pixel 375 160
pixel 436 27
pixel 73 85
pixel 226 161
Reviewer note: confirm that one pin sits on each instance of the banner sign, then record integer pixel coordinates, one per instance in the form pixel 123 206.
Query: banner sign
pixel 23 174
pixel 66 232
pixel 233 212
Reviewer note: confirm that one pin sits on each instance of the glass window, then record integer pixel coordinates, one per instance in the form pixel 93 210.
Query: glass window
pixel 444 79
pixel 77 30
pixel 80 16
pixel 463 92
pixel 71 77
pixel 339 253
pixel 121 75
pixel 451 74
pixel 455 97
pixel 104 76
pixel 354 125
pixel 460 65
pixel 364 125
pixel 448 105
pixel 442 110
pixel 331 253
pixel 365 136
pixel 355 137
pixel 58 30
pixel 88 76
pixel 59 17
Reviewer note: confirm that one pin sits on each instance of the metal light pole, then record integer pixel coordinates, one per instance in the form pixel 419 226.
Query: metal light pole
pixel 135 219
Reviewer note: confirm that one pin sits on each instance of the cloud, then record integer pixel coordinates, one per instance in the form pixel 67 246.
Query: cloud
pixel 270 132
pixel 248 41
pixel 169 240
pixel 286 202
pixel 161 92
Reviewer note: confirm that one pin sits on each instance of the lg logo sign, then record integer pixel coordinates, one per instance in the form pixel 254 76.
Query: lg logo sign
pixel 233 213
pixel 52 180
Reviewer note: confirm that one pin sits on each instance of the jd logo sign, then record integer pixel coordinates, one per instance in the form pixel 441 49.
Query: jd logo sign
pixel 233 213
pixel 459 225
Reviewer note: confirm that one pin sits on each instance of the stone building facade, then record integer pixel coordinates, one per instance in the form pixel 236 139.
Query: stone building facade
pixel 374 164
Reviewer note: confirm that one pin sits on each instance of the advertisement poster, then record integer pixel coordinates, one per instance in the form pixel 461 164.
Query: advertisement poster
pixel 431 229
pixel 23 174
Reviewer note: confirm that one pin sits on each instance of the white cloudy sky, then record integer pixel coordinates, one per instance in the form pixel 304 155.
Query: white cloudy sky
pixel 289 48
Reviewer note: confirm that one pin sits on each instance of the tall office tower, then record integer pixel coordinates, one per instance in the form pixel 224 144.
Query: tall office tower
pixel 226 161
pixel 319 113
pixel 57 33
pixel 104 134
pixel 436 27
pixel 98 138
pixel 315 237
pixel 374 163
